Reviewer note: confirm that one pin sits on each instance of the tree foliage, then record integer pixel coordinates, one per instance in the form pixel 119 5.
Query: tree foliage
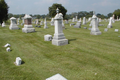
pixel 3 11
pixel 52 10
pixel 116 13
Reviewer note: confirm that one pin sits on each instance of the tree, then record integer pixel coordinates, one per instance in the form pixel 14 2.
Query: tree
pixel 52 10
pixel 3 11
pixel 109 15
pixel 116 13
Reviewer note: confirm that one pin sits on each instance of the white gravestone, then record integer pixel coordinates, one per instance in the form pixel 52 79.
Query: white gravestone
pixel 84 20
pixel 3 24
pixel 78 25
pixel 47 37
pixel 45 24
pixel 116 30
pixel 110 23
pixel 56 77
pixel 28 24
pixel 13 24
pixel 7 45
pixel 18 61
pixel 105 29
pixel 52 22
pixel 59 38
pixel 73 20
pixel 95 30
pixel 41 23
pixel 8 49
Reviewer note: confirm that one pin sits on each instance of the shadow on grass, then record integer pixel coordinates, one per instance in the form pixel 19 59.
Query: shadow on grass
pixel 23 62
pixel 69 40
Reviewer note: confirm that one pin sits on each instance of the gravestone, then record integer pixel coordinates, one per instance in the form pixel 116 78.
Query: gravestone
pixel 89 28
pixel 52 22
pixel 110 23
pixel 41 23
pixel 95 30
pixel 78 25
pixel 105 29
pixel 84 20
pixel 85 27
pixel 56 77
pixel 18 61
pixel 28 24
pixel 59 38
pixel 63 26
pixel 116 30
pixel 7 45
pixel 8 49
pixel 3 24
pixel 47 37
pixel 45 24
pixel 13 24
pixel 73 20
pixel 66 22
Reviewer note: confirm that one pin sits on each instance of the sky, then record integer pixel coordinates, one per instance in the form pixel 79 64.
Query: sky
pixel 41 6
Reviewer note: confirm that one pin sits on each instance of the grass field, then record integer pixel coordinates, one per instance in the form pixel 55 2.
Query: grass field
pixel 86 57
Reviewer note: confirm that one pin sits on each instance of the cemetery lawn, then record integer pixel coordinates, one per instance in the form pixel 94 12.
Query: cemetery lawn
pixel 86 57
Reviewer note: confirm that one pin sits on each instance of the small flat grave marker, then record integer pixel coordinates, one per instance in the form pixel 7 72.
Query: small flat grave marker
pixel 105 29
pixel 116 30
pixel 56 77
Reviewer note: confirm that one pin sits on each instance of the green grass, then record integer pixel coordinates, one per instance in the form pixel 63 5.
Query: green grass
pixel 81 59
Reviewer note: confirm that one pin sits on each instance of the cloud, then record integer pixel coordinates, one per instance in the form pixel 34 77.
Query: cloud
pixel 105 3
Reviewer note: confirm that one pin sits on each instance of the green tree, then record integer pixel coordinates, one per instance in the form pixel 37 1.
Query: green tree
pixel 52 10
pixel 116 13
pixel 109 15
pixel 3 11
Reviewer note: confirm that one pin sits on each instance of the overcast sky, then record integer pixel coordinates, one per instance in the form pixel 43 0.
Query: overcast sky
pixel 41 6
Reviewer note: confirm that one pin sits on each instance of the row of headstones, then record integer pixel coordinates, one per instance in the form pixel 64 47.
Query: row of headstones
pixel 18 59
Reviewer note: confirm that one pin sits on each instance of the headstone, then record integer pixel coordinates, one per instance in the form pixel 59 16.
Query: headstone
pixel 66 22
pixel 18 61
pixel 85 27
pixel 95 30
pixel 73 20
pixel 84 20
pixel 13 24
pixel 41 23
pixel 37 21
pixel 76 19
pixel 47 37
pixel 116 30
pixel 28 24
pixel 45 24
pixel 56 77
pixel 59 38
pixel 89 28
pixel 78 25
pixel 52 22
pixel 39 26
pixel 8 49
pixel 3 24
pixel 105 29
pixel 90 23
pixel 7 45
pixel 110 23
pixel 63 26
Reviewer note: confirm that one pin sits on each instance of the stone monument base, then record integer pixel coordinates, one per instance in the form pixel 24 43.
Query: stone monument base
pixel 60 42
pixel 109 26
pixel 28 30
pixel 14 27
pixel 96 33
pixel 77 26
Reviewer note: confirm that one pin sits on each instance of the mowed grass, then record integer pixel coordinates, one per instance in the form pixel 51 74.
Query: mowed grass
pixel 86 57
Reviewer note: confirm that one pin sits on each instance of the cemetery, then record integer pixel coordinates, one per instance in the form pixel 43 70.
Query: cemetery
pixel 59 49
pixel 85 56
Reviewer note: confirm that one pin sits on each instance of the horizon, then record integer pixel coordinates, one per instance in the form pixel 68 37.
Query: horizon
pixel 41 6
